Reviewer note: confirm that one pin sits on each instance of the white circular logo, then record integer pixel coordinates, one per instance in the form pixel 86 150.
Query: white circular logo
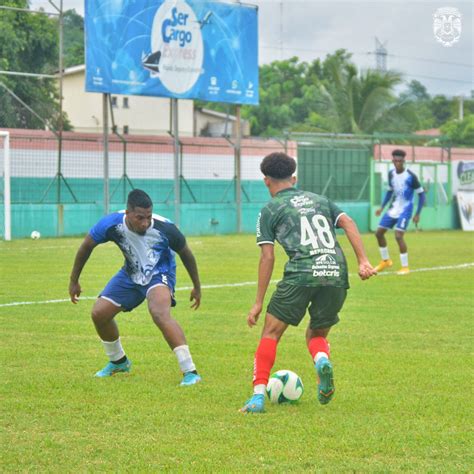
pixel 177 48
pixel 447 25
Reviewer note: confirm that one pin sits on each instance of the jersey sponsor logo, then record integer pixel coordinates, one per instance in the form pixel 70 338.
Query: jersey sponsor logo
pixel 326 259
pixel 259 233
pixel 300 201
pixel 326 266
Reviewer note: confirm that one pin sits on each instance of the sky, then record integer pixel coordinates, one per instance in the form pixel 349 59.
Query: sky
pixel 311 29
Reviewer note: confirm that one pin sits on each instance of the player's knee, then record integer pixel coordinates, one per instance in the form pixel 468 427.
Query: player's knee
pixel 98 317
pixel 399 236
pixel 161 316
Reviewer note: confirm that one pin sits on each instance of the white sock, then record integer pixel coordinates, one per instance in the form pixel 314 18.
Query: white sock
pixel 404 259
pixel 259 389
pixel 319 355
pixel 114 349
pixel 384 253
pixel 185 360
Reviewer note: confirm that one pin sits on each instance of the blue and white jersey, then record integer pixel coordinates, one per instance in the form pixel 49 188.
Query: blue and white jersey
pixel 145 255
pixel 404 186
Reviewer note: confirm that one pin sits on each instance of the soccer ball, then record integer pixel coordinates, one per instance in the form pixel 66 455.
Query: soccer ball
pixel 284 386
pixel 35 235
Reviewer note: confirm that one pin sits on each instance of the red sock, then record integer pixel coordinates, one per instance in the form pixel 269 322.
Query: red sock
pixel 264 360
pixel 318 344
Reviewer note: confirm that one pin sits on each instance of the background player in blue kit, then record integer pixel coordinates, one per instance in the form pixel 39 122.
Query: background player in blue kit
pixel 402 186
pixel 148 243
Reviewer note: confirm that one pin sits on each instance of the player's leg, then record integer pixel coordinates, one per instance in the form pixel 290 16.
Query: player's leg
pixel 103 313
pixel 325 306
pixel 159 305
pixel 264 359
pixel 385 223
pixel 287 306
pixel 400 229
pixel 118 295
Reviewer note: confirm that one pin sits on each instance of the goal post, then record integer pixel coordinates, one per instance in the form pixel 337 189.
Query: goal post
pixel 5 136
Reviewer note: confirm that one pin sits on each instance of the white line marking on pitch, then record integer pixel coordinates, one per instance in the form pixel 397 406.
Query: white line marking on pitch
pixel 244 283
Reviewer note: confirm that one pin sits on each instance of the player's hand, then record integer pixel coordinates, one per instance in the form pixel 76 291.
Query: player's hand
pixel 196 296
pixel 253 315
pixel 378 211
pixel 416 219
pixel 366 270
pixel 75 291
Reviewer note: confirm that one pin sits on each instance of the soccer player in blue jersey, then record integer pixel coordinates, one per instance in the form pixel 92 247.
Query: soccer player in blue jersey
pixel 402 186
pixel 148 243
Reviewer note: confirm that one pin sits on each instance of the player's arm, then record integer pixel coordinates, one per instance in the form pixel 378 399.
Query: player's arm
pixel 265 270
pixel 82 256
pixel 421 203
pixel 352 232
pixel 190 264
pixel 386 200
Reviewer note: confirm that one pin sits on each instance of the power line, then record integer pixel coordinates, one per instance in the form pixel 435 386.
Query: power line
pixel 367 53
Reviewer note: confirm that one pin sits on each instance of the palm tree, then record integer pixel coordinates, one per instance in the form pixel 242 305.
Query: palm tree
pixel 346 101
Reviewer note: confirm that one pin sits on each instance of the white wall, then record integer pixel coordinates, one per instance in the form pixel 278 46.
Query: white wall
pixel 144 116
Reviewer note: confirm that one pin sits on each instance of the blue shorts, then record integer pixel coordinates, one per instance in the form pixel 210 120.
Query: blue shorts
pixel 123 292
pixel 400 223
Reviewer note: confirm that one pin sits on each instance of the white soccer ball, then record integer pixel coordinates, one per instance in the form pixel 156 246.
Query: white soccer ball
pixel 35 235
pixel 284 386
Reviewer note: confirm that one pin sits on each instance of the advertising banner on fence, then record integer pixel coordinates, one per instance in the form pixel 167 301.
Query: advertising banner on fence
pixel 466 209
pixel 191 49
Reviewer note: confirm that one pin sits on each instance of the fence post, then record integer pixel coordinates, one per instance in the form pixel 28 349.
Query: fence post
pixel 237 173
pixel 106 152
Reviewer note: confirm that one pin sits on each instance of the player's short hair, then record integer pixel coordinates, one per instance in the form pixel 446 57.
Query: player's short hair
pixel 278 166
pixel 400 153
pixel 138 198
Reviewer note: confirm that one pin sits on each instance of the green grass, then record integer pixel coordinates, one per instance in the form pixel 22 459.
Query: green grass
pixel 402 355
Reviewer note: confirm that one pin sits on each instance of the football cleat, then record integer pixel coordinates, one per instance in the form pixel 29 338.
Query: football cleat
pixel 190 378
pixel 403 271
pixel 256 404
pixel 383 265
pixel 325 380
pixel 112 369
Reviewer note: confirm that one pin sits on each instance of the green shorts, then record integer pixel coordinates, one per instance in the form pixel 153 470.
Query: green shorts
pixel 289 304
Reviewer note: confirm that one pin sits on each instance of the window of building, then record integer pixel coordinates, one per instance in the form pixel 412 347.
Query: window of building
pixel 125 129
pixel 125 102
pixel 114 101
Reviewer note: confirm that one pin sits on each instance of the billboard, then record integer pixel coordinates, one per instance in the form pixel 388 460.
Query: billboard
pixel 181 49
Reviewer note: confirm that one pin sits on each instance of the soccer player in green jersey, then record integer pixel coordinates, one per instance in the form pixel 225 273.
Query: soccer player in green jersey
pixel 315 275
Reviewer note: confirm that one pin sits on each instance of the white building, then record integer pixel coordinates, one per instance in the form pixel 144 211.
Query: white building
pixel 139 115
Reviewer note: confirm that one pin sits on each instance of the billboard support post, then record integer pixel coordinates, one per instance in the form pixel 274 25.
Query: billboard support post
pixel 177 174
pixel 105 115
pixel 238 170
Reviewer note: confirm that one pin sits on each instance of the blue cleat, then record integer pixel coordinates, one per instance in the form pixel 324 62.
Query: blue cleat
pixel 256 404
pixel 190 378
pixel 112 369
pixel 325 380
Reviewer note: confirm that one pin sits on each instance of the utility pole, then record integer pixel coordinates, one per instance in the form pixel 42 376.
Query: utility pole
pixel 461 107
pixel 380 55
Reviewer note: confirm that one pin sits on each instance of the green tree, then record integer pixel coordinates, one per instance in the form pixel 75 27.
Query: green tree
pixel 73 35
pixel 28 43
pixel 460 132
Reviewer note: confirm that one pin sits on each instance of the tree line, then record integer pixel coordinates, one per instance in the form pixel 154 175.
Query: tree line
pixel 330 95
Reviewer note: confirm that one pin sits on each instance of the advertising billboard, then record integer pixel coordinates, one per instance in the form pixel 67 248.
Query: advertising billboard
pixel 190 49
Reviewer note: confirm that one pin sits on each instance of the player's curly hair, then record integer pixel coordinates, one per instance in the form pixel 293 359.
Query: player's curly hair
pixel 138 198
pixel 278 166
pixel 400 153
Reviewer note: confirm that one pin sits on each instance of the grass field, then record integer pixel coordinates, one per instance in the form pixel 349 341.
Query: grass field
pixel 402 355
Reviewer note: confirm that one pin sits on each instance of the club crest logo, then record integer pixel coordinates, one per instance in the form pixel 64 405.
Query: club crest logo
pixel 447 26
